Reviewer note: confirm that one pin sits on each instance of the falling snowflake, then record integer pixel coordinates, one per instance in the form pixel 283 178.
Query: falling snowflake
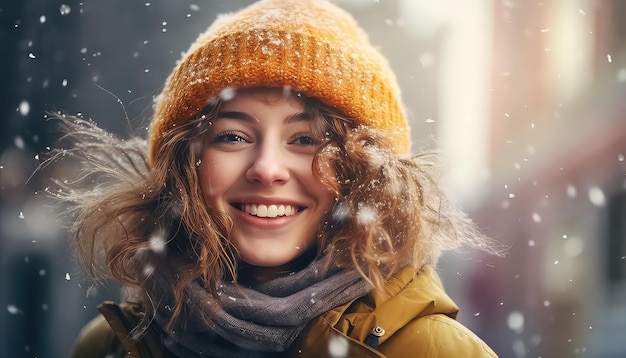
pixel 596 196
pixel 571 191
pixel 515 321
pixel 338 346
pixel 24 108
pixel 13 309
pixel 366 215
pixel 536 218
pixel 65 9
pixel 157 243
pixel 227 94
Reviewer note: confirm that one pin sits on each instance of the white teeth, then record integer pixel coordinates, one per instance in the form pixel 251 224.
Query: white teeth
pixel 269 211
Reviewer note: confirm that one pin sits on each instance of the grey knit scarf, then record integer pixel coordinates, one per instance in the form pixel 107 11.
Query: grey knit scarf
pixel 265 318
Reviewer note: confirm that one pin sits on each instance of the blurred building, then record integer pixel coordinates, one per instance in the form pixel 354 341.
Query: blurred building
pixel 527 102
pixel 557 183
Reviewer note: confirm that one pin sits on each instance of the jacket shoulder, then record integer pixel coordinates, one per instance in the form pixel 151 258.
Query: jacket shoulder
pixel 95 340
pixel 436 335
pixel 108 335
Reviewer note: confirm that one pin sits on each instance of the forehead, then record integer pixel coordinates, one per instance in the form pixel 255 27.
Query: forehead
pixel 264 95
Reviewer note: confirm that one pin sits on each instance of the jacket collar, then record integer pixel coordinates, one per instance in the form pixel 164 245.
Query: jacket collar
pixel 407 295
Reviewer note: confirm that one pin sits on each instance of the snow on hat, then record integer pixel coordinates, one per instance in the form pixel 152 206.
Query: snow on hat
pixel 310 46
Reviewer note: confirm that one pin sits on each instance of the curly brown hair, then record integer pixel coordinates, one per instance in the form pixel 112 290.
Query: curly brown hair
pixel 390 211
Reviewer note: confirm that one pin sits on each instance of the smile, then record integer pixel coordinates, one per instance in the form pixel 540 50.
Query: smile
pixel 268 211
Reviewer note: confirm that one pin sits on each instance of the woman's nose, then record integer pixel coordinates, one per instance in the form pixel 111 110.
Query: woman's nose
pixel 268 166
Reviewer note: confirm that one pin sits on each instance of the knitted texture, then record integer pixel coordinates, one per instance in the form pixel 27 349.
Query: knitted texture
pixel 310 46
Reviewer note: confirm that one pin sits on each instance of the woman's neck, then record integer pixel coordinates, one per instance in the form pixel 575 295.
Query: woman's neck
pixel 250 275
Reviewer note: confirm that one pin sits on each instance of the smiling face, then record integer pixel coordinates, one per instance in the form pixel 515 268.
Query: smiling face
pixel 257 168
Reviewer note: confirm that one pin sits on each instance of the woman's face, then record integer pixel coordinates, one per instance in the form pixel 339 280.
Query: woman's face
pixel 257 168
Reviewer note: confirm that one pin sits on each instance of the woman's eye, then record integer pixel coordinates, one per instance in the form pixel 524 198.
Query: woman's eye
pixel 229 138
pixel 305 140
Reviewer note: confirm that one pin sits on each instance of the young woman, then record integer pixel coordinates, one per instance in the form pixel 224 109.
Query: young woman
pixel 275 209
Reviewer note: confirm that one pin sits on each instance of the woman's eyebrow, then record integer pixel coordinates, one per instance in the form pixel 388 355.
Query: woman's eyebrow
pixel 296 117
pixel 237 115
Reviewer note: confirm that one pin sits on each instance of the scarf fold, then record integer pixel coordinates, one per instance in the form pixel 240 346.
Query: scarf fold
pixel 265 318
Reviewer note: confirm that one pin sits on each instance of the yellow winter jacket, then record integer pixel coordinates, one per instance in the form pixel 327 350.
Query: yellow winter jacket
pixel 411 317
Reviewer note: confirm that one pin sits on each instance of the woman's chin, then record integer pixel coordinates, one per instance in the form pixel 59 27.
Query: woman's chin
pixel 268 260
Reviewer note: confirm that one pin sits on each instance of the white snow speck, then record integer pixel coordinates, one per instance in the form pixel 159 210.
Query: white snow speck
pixel 13 309
pixel 515 321
pixel 227 94
pixel 157 244
pixel 65 9
pixel 340 212
pixel 366 215
pixel 571 191
pixel 596 196
pixel 19 142
pixel 148 270
pixel 338 346
pixel 24 108
pixel 67 276
pixel 536 218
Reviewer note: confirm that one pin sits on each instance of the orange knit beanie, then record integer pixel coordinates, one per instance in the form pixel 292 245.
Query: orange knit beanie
pixel 310 46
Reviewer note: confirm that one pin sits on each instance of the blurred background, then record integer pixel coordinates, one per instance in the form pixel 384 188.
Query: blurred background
pixel 526 99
